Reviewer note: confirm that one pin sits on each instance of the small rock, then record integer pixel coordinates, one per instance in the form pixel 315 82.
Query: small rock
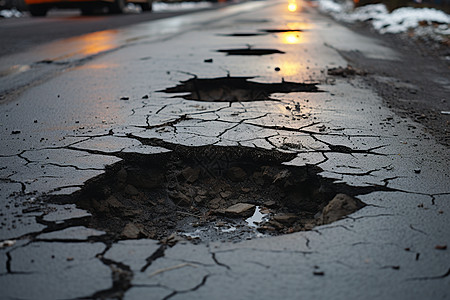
pixel 125 98
pixel 209 60
pixel 7 243
pixel 190 174
pixel 171 240
pixel 145 97
pixel 282 178
pixel 344 72
pixel 200 199
pixel 270 204
pixel 441 247
pixel 220 224
pixel 246 190
pixel 226 194
pixel 285 218
pixel 113 202
pixel 265 211
pixel 275 224
pixel 417 171
pixel 15 132
pixel 215 203
pixel 236 174
pixel 340 206
pixel 131 190
pixel 180 198
pixel 240 210
pixel 265 228
pixel 131 231
pixel 277 69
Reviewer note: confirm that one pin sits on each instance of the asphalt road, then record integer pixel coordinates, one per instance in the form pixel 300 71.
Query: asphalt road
pixel 131 158
pixel 20 34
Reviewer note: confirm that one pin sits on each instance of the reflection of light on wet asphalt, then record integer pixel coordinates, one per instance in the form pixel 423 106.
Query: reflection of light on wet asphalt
pixel 257 218
pixel 292 7
pixel 289 68
pixel 291 37
pixel 97 42
pixel 15 70
pixel 100 66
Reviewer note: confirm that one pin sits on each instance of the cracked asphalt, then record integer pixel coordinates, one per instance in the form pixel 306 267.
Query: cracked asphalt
pixel 71 109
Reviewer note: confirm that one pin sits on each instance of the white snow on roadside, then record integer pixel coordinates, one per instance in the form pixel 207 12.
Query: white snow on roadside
pixel 161 6
pixel 131 8
pixel 402 19
pixel 329 6
pixel 10 13
pixel 398 21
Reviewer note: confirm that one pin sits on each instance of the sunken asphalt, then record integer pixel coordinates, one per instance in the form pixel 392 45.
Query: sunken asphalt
pixel 110 100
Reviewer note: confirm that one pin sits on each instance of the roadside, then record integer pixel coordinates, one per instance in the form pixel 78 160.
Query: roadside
pixel 418 89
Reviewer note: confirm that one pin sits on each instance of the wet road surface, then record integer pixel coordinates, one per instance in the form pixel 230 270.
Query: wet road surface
pixel 20 34
pixel 131 125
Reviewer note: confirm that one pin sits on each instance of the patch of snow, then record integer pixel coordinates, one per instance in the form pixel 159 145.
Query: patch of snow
pixel 367 13
pixel 423 21
pixel 402 19
pixel 10 13
pixel 132 8
pixel 161 6
pixel 329 6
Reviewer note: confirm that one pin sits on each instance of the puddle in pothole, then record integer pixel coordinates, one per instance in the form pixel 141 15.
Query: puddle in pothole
pixel 236 89
pixel 212 193
pixel 258 217
pixel 251 51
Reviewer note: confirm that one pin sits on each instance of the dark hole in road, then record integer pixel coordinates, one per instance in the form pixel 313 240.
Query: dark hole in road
pixel 243 34
pixel 251 51
pixel 280 30
pixel 236 89
pixel 208 193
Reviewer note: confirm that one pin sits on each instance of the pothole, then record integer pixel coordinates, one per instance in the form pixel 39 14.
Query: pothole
pixel 235 89
pixel 280 30
pixel 243 34
pixel 212 193
pixel 261 32
pixel 251 51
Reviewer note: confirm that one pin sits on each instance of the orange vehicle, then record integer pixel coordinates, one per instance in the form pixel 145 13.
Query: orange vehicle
pixel 39 8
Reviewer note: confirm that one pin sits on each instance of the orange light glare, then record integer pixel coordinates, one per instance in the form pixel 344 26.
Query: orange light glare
pixel 292 7
pixel 97 42
pixel 291 38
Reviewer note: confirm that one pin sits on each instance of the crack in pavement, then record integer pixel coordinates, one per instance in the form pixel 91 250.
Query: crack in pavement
pixel 213 255
pixel 446 274
pixel 190 290
pixel 157 254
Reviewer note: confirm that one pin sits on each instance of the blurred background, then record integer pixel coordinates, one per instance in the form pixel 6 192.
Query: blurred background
pixel 390 4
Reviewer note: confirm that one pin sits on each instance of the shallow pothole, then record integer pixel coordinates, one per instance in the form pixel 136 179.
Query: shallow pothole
pixel 251 51
pixel 236 89
pixel 284 30
pixel 212 193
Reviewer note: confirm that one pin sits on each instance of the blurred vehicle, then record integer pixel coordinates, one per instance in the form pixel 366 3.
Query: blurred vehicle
pixel 39 8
